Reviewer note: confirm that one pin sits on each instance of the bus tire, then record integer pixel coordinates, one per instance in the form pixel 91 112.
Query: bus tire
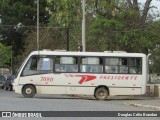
pixel 101 93
pixel 28 91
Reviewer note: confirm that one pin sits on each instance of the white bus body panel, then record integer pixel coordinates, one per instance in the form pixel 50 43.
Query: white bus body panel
pixel 70 83
pixel 84 83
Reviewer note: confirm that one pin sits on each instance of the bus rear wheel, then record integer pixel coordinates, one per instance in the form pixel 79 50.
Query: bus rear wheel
pixel 101 93
pixel 28 91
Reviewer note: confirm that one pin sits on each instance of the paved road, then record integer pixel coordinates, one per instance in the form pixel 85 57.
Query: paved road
pixel 9 101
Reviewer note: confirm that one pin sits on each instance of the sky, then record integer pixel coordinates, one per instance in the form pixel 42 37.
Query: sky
pixel 153 3
pixel 155 11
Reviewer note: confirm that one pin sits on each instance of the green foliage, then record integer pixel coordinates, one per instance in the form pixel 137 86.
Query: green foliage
pixel 154 44
pixel 110 25
pixel 18 18
pixel 99 24
pixel 65 12
pixel 17 11
pixel 5 55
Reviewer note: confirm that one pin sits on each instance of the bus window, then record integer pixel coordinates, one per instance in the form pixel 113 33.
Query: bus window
pixel 45 65
pixel 66 64
pixel 123 65
pixel 91 65
pixel 37 65
pixel 116 65
pixel 31 67
pixel 111 65
pixel 135 66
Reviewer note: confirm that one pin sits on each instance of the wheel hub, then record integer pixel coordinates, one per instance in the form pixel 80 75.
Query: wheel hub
pixel 28 90
pixel 101 94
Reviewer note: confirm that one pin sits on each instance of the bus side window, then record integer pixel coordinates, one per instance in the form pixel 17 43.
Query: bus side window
pixel 71 68
pixel 66 64
pixel 135 66
pixel 45 65
pixel 111 65
pixel 83 68
pixel 91 65
pixel 123 65
pixel 59 68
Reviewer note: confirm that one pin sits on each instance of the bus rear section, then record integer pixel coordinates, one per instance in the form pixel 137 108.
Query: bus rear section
pixel 82 73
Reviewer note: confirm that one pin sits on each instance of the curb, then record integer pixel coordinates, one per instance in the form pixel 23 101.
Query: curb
pixel 145 106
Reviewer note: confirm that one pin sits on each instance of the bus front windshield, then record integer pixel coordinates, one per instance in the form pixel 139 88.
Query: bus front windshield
pixel 38 65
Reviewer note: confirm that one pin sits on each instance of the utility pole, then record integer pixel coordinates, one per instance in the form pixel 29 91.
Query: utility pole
pixel 11 61
pixel 67 33
pixel 37 25
pixel 0 19
pixel 83 26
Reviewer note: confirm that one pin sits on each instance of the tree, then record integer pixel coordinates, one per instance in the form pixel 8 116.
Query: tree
pixel 18 19
pixel 19 16
pixel 116 25
pixel 123 25
pixel 5 55
pixel 110 25
pixel 66 14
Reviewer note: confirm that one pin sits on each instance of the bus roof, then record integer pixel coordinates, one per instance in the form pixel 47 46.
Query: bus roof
pixel 76 53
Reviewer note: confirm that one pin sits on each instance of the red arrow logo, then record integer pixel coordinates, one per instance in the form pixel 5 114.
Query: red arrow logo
pixel 85 78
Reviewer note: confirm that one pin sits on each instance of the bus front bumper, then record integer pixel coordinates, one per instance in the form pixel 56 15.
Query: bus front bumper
pixel 17 89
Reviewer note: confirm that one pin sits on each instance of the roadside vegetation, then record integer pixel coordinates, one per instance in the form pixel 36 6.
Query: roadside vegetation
pixel 111 25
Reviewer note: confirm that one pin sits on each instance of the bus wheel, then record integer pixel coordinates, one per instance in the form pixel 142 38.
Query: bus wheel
pixel 101 93
pixel 28 91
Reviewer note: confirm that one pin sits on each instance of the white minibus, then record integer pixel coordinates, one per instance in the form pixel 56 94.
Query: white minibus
pixel 99 74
